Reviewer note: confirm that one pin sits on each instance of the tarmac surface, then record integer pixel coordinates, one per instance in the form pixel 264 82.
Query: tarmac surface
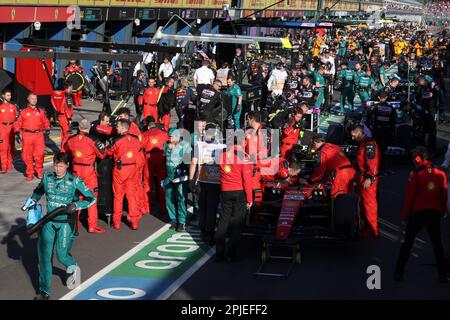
pixel 328 270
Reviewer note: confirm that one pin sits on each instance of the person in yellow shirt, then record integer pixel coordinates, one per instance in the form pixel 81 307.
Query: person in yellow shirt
pixel 316 46
pixel 418 49
pixel 429 45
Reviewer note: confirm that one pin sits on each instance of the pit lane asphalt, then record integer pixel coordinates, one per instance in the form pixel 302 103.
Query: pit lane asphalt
pixel 336 271
pixel 328 271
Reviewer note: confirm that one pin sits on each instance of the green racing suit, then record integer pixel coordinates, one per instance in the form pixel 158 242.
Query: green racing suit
pixel 59 193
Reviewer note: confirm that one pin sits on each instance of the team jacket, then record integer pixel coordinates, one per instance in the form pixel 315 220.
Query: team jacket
pixel 84 149
pixel 8 113
pixel 32 119
pixel 167 101
pixel 110 131
pixel 154 140
pixel 383 116
pixel 255 145
pixel 61 192
pixel 291 133
pixel 426 189
pixel 368 159
pixel 125 150
pixel 276 169
pixel 330 158
pixel 236 172
pixel 151 96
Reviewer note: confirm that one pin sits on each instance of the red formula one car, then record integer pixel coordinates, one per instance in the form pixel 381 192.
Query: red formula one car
pixel 289 214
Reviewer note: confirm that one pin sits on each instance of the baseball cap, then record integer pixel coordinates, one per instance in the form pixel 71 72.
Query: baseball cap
pixel 174 133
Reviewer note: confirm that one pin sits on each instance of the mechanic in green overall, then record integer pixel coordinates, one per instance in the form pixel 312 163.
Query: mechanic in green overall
pixel 342 48
pixel 347 77
pixel 320 86
pixel 175 185
pixel 61 189
pixel 363 86
pixel 236 105
pixel 358 72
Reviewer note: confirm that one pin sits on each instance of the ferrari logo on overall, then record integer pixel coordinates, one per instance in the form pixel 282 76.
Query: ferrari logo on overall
pixel 430 186
pixel 3 110
pixel 78 154
pixel 154 141
pixel 80 137
pixel 227 169
pixel 56 14
pixel 28 114
pixel 129 154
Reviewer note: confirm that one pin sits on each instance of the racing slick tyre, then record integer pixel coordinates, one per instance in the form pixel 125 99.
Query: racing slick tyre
pixel 345 209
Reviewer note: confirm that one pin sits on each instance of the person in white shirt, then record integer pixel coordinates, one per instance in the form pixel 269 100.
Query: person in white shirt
pixel 224 73
pixel 165 70
pixel 328 58
pixel 203 76
pixel 277 79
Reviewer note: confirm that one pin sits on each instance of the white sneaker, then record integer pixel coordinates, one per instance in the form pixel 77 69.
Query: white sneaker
pixel 73 277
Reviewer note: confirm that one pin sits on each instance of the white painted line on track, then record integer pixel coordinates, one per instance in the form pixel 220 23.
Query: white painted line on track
pixel 185 276
pixel 114 264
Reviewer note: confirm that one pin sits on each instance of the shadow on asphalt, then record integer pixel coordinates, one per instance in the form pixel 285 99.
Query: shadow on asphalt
pixel 49 143
pixel 19 246
pixel 18 163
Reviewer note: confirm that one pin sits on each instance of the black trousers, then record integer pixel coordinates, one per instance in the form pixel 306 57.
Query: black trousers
pixel 430 219
pixel 232 219
pixel 180 115
pixel 208 204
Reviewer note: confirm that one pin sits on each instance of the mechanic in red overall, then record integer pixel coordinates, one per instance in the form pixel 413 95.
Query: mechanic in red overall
pixel 85 149
pixel 141 194
pixel 32 123
pixel 236 192
pixel 62 102
pixel 291 134
pixel 424 205
pixel 256 148
pixel 8 115
pixel 281 170
pixel 151 97
pixel 73 67
pixel 368 165
pixel 153 141
pixel 125 151
pixel 334 165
